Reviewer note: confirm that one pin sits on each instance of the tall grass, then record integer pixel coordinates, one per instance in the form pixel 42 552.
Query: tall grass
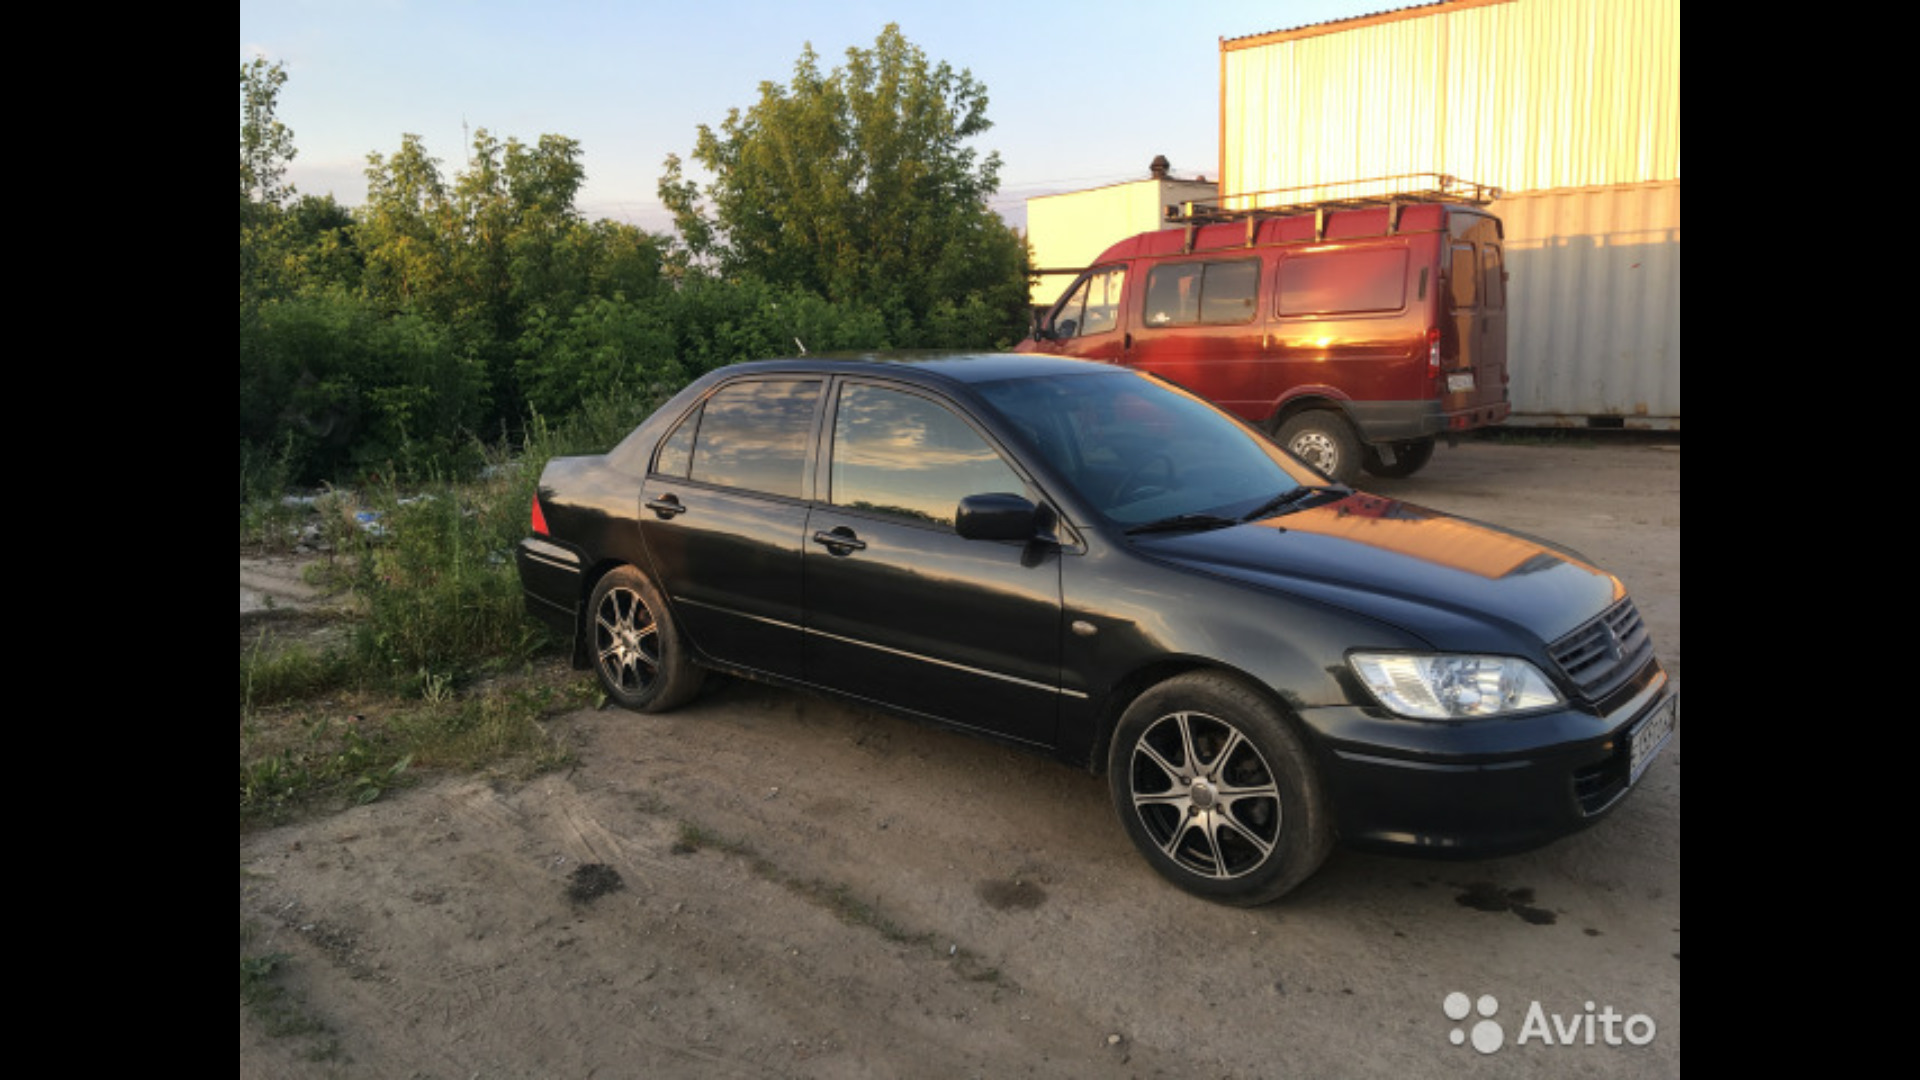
pixel 437 603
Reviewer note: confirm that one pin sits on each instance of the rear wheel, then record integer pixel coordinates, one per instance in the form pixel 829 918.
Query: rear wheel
pixel 1323 439
pixel 637 650
pixel 1217 791
pixel 1409 457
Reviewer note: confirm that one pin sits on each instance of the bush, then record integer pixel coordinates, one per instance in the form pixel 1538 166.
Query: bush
pixel 330 388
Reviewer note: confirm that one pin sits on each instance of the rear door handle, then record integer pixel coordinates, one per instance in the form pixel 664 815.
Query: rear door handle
pixel 666 506
pixel 840 541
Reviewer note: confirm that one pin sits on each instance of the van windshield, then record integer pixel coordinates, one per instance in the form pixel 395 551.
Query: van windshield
pixel 1137 449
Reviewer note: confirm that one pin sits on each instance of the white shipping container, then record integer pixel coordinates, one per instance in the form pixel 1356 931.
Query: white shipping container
pixel 1594 305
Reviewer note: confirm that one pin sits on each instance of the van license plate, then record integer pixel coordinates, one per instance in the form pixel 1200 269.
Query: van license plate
pixel 1651 736
pixel 1459 382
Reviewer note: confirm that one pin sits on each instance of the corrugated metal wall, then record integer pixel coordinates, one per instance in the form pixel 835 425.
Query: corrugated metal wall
pixel 1594 301
pixel 1527 95
pixel 1570 106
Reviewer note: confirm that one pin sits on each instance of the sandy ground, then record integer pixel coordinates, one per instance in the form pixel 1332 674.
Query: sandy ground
pixel 766 884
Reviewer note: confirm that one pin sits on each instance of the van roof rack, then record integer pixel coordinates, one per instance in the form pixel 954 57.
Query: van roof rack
pixel 1392 192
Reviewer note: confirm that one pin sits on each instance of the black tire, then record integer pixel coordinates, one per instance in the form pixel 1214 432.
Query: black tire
pixel 636 648
pixel 1409 457
pixel 1323 439
pixel 1217 791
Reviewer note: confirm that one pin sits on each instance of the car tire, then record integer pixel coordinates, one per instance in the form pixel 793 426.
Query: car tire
pixel 1217 790
pixel 1409 457
pixel 635 646
pixel 1323 439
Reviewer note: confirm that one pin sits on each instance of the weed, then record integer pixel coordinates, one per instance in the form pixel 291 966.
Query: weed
pixel 434 611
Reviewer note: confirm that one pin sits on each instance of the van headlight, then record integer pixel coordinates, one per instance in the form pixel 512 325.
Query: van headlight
pixel 1451 687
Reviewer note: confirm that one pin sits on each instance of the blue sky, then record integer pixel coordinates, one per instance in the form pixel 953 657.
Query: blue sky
pixel 1080 93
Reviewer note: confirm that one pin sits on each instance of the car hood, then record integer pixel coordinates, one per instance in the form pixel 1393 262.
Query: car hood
pixel 1429 572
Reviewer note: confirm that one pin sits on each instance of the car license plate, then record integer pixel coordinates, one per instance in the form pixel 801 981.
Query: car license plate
pixel 1459 382
pixel 1651 736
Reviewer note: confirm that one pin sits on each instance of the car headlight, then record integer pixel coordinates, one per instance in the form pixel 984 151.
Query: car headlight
pixel 1430 687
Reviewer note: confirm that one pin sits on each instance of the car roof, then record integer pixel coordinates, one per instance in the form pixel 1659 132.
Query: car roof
pixel 960 367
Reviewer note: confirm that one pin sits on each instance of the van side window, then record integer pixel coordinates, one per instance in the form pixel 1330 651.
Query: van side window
pixel 1214 292
pixel 1343 282
pixel 1094 305
pixel 1464 275
pixel 1493 280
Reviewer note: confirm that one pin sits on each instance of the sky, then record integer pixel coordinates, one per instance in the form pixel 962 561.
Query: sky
pixel 1080 94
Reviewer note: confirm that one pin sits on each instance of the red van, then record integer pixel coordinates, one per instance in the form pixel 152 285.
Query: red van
pixel 1353 332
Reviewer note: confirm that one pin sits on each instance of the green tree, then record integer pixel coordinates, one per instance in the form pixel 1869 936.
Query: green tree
pixel 266 144
pixel 858 185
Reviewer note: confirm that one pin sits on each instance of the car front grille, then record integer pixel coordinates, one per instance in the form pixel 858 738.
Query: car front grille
pixel 1605 650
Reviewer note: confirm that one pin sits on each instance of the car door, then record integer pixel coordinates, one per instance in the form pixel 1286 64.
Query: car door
pixel 900 609
pixel 1089 321
pixel 1199 325
pixel 724 509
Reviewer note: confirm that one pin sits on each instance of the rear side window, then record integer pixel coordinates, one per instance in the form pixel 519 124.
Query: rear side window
pixel 1343 282
pixel 1493 282
pixel 1464 276
pixel 750 435
pixel 1183 294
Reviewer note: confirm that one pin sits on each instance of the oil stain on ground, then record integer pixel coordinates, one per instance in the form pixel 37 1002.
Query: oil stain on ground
pixel 1002 895
pixel 1486 896
pixel 593 880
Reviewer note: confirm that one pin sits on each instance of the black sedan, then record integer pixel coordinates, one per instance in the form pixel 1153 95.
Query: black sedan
pixel 1097 564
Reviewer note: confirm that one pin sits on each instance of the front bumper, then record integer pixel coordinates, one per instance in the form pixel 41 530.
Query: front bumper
pixel 1484 788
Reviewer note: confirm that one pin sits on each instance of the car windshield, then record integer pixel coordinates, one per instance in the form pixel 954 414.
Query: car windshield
pixel 1140 451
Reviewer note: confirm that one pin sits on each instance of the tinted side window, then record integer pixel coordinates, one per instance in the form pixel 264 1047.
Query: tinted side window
pixel 754 435
pixel 1465 276
pixel 1343 282
pixel 1186 293
pixel 676 450
pixel 1094 307
pixel 1493 282
pixel 902 454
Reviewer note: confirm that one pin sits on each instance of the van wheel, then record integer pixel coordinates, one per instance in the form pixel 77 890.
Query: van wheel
pixel 1409 457
pixel 1323 440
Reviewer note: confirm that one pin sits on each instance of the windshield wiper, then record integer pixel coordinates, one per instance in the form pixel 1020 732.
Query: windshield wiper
pixel 1294 495
pixel 1182 521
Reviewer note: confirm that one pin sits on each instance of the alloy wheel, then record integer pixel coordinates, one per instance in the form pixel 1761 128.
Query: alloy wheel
pixel 626 640
pixel 1205 794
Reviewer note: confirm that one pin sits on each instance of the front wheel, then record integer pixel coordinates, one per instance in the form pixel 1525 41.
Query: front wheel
pixel 637 650
pixel 1409 457
pixel 1324 440
pixel 1217 791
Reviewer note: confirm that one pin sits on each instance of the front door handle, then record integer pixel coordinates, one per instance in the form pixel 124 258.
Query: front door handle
pixel 840 541
pixel 666 506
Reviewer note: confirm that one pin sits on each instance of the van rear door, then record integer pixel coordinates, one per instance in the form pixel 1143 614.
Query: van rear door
pixel 1474 361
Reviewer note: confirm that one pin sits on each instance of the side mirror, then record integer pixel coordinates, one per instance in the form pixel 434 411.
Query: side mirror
pixel 996 517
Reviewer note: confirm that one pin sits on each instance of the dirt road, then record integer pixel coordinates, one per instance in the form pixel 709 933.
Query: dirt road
pixel 765 884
